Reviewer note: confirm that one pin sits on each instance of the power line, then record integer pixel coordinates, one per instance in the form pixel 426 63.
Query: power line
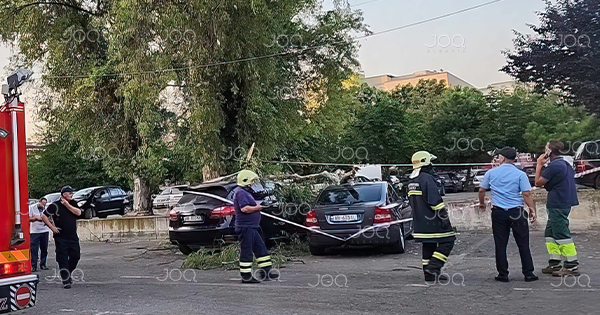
pixel 295 51
pixel 366 2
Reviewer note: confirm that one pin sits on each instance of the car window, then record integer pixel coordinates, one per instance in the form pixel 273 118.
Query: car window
pixel 591 150
pixel 115 191
pixel 350 194
pixel 102 193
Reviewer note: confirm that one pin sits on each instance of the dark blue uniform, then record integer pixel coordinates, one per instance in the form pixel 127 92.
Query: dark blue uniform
pixel 431 222
pixel 247 227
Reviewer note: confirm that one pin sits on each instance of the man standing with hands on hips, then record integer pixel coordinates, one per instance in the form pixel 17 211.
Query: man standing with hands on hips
pixel 559 180
pixel 509 188
pixel 65 213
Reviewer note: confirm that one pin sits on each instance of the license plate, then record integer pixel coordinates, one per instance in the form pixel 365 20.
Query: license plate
pixel 344 218
pixel 193 218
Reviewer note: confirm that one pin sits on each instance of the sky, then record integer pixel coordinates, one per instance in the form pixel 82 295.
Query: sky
pixel 479 36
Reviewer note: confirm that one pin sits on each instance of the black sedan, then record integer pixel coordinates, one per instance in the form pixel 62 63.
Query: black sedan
pixel 101 201
pixel 451 182
pixel 205 216
pixel 345 210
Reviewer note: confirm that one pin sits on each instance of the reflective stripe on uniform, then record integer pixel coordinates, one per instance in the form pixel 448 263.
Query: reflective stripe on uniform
pixel 553 250
pixel 265 258
pixel 245 264
pixel 440 256
pixel 245 270
pixel 425 262
pixel 433 235
pixel 265 264
pixel 415 193
pixel 567 249
pixel 439 206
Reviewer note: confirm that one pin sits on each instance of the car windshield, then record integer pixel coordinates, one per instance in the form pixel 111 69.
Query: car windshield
pixel 350 194
pixel 52 197
pixel 83 193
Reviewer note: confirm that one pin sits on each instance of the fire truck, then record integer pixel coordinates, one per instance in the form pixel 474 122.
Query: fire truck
pixel 18 285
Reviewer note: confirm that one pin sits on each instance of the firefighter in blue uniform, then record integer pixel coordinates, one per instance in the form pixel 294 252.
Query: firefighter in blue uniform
pixel 431 222
pixel 247 227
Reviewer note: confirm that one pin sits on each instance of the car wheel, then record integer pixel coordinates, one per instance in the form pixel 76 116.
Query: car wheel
pixel 316 251
pixel 184 249
pixel 88 213
pixel 398 247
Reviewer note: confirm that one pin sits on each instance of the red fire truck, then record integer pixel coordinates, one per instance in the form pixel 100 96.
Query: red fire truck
pixel 17 285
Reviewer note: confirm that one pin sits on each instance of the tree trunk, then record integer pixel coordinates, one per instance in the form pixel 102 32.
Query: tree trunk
pixel 141 196
pixel 209 173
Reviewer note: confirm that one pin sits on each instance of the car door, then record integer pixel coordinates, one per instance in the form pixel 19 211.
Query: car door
pixel 116 199
pixel 101 200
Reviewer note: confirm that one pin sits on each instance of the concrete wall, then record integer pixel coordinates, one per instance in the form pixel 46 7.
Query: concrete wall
pixel 465 215
pixel 122 228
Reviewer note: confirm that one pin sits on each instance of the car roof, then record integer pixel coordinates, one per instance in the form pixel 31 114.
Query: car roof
pixel 176 186
pixel 225 184
pixel 357 184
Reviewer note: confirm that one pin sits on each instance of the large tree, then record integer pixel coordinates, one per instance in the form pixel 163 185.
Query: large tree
pixel 563 53
pixel 241 67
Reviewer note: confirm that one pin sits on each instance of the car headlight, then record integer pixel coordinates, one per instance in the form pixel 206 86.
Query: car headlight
pixel 81 203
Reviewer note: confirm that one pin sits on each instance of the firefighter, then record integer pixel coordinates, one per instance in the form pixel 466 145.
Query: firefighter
pixel 247 227
pixel 431 222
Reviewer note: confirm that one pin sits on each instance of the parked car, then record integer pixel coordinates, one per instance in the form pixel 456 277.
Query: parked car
pixel 587 172
pixel 451 182
pixel 101 201
pixel 168 197
pixel 32 201
pixel 53 197
pixel 205 216
pixel 344 210
pixel 477 179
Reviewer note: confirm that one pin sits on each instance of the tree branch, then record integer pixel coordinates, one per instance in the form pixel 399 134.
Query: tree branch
pixel 17 9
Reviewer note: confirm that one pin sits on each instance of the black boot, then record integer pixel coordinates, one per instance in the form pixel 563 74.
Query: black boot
pixel 268 274
pixel 248 278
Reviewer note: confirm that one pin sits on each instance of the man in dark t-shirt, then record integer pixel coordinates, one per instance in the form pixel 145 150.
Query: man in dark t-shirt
pixel 559 180
pixel 247 225
pixel 64 213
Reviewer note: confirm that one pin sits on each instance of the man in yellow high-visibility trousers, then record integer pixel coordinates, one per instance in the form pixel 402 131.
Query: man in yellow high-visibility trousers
pixel 559 180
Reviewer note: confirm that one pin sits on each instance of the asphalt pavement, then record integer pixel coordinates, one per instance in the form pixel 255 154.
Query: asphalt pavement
pixel 145 277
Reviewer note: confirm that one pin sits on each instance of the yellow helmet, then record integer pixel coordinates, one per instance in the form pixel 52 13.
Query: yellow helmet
pixel 422 158
pixel 246 177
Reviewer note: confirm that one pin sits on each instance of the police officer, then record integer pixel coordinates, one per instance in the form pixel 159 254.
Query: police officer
pixel 431 223
pixel 64 213
pixel 247 225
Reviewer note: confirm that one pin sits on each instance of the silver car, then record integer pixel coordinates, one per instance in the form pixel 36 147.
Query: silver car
pixel 167 198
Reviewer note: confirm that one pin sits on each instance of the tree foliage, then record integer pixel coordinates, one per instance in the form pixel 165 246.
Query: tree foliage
pixel 107 63
pixel 562 55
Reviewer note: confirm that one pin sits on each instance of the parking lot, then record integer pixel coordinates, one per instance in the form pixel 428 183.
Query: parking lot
pixel 144 277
